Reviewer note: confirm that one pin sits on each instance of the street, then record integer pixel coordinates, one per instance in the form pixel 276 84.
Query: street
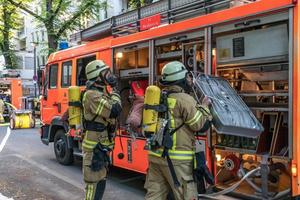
pixel 30 171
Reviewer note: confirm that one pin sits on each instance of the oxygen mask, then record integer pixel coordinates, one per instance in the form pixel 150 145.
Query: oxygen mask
pixel 108 78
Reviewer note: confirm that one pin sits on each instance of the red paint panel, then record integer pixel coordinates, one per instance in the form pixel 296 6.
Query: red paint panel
pixel 136 160
pixel 150 22
pixel 296 102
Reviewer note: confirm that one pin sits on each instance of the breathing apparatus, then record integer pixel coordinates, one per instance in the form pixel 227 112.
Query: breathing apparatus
pixel 155 116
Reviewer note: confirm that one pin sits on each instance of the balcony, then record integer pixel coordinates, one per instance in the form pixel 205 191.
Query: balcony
pixel 169 11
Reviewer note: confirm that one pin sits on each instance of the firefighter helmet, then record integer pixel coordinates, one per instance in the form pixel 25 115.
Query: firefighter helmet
pixel 94 68
pixel 173 71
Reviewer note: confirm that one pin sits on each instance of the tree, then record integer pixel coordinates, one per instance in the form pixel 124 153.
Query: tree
pixel 9 22
pixel 134 4
pixel 60 16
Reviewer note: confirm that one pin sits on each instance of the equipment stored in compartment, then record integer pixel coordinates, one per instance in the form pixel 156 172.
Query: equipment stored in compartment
pixel 230 114
pixel 20 119
pixel 128 73
pixel 263 45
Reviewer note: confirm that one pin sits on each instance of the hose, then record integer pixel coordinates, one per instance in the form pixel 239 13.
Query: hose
pixel 231 188
pixel 282 194
pixel 255 187
pixel 11 105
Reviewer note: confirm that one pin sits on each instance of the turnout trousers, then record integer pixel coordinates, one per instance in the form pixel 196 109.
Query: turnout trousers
pixel 159 181
pixel 95 180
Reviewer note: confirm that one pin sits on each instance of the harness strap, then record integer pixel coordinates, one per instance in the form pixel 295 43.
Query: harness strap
pixel 172 171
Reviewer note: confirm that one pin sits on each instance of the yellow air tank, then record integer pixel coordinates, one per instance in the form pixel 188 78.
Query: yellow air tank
pixel 74 106
pixel 150 116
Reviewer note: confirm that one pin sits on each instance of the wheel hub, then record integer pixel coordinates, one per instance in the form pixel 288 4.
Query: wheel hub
pixel 60 147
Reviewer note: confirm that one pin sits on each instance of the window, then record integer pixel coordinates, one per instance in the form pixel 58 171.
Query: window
pixel 20 62
pixel 53 76
pixel 37 36
pixel 32 37
pixel 43 36
pixel 66 74
pixel 43 60
pixel 80 69
pixel 38 61
pixel 29 63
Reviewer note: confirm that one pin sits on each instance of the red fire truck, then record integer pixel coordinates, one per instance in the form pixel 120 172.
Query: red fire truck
pixel 252 44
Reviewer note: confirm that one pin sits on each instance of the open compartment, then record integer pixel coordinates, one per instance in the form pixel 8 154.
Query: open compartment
pixel 132 67
pixel 187 48
pixel 255 61
pixel 131 64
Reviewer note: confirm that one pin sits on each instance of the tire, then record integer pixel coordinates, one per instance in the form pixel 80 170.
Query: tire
pixel 32 123
pixel 12 123
pixel 63 154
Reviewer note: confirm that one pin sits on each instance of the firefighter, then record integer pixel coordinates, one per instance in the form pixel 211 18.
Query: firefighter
pixel 2 108
pixel 171 170
pixel 100 109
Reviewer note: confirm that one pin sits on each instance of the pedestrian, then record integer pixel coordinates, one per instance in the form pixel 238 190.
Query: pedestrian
pixel 100 110
pixel 171 169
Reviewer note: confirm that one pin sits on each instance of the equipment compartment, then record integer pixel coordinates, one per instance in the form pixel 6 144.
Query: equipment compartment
pixel 255 63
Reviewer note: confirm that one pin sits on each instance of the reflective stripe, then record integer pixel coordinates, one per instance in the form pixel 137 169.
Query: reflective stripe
pixel 171 102
pixel 117 99
pixel 115 96
pixel 89 192
pixel 194 119
pixel 101 106
pixel 176 155
pixel 83 99
pixel 88 146
pixel 91 144
pixel 174 136
pixel 171 106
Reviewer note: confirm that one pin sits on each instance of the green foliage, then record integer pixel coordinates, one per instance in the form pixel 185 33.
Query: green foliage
pixel 9 21
pixel 134 4
pixel 61 16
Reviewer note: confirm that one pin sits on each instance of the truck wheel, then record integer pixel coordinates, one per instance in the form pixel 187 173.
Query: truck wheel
pixel 12 123
pixel 32 123
pixel 63 154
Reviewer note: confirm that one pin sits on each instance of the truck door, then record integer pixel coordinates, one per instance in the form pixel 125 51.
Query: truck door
pixel 66 77
pixel 50 105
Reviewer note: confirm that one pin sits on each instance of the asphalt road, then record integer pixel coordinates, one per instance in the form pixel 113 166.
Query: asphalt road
pixel 29 171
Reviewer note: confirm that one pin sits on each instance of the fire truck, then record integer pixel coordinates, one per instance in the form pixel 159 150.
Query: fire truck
pixel 254 45
pixel 11 94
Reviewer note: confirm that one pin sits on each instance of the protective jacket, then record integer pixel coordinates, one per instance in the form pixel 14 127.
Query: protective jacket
pixel 100 108
pixel 184 110
pixel 190 117
pixel 100 111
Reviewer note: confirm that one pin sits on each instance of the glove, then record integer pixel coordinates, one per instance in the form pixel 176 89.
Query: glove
pixel 111 128
pixel 100 158
pixel 206 101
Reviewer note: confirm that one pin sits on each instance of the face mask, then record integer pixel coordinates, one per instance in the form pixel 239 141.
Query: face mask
pixel 184 84
pixel 109 78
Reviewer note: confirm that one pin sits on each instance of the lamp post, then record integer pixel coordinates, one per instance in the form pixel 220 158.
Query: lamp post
pixel 34 68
